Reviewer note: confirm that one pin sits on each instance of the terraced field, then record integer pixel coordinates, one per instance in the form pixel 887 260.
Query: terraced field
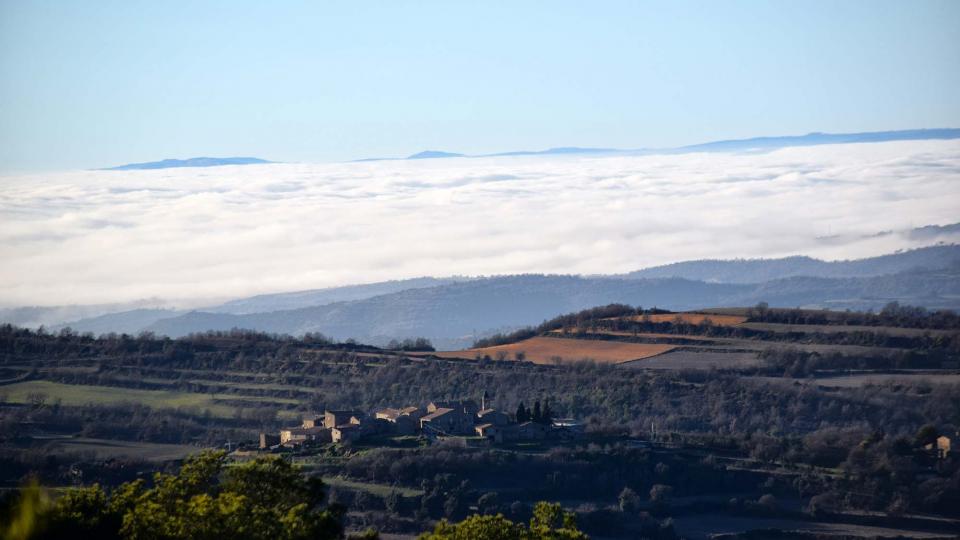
pixel 837 328
pixel 685 359
pixel 221 405
pixel 693 318
pixel 552 350
pixel 722 344
pixel 111 449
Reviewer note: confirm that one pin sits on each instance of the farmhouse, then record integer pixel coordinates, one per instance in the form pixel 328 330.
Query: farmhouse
pixel 387 414
pixel 490 431
pixel 467 406
pixel 446 421
pixel 943 447
pixel 299 435
pixel 403 421
pixel 268 440
pixel 345 433
pixel 493 416
pixel 314 420
pixel 940 448
pixel 441 418
pixel 332 419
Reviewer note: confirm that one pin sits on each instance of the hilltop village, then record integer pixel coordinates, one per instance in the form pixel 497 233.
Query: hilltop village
pixel 440 419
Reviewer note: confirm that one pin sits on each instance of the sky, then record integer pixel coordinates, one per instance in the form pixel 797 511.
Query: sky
pixel 87 84
pixel 195 234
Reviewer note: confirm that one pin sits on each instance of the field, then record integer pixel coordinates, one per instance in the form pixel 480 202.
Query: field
pixel 722 344
pixel 693 318
pixel 71 394
pixel 684 359
pixel 836 328
pixel 109 449
pixel 380 490
pixel 547 350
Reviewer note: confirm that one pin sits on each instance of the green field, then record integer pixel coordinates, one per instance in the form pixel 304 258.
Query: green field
pixel 106 449
pixel 72 394
pixel 380 490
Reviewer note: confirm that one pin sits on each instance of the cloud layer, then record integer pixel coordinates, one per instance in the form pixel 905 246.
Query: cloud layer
pixel 99 236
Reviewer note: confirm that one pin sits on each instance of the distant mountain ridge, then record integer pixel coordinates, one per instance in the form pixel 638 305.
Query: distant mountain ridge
pixel 812 139
pixel 755 143
pixel 316 297
pixel 452 311
pixel 761 270
pixel 453 315
pixel 191 162
pixel 430 154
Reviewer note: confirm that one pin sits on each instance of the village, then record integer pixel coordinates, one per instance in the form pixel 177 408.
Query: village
pixel 439 420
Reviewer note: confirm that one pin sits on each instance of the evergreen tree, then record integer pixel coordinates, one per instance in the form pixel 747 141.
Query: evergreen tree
pixel 522 415
pixel 547 416
pixel 537 414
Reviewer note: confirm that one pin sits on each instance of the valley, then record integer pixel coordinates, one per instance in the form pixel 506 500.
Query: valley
pixel 751 404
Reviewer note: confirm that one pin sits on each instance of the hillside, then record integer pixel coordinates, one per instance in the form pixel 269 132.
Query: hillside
pixel 318 297
pixel 453 314
pixel 125 322
pixel 760 270
pixel 453 310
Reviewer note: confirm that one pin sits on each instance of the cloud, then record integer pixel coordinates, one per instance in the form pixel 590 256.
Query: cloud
pixel 110 236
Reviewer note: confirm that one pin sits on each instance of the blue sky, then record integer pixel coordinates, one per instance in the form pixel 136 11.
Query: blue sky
pixel 91 84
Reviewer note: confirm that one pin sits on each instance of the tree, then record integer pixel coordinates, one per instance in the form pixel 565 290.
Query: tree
pixel 477 527
pixel 660 493
pixel 263 499
pixel 488 502
pixel 926 435
pixel 768 502
pixel 537 413
pixel 660 497
pixel 546 416
pixel 393 502
pixel 522 415
pixel 629 501
pixel 549 522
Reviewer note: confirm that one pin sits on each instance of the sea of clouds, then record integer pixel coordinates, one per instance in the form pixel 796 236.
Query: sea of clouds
pixel 105 236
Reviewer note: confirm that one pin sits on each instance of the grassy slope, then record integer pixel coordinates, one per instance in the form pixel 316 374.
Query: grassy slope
pixel 71 394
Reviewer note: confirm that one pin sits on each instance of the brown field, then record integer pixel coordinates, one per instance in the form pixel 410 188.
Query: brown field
pixel 677 338
pixel 694 318
pixel 544 350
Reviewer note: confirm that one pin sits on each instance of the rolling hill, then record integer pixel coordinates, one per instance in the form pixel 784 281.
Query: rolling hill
pixel 453 315
pixel 760 270
pixel 453 311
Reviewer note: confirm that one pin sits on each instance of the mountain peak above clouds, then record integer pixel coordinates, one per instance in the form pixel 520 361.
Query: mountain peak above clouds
pixel 190 162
